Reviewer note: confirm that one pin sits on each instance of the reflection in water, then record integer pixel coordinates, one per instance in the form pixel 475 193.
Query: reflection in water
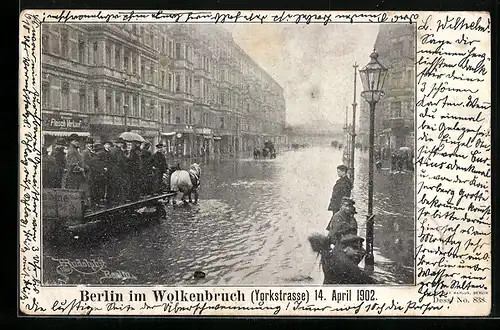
pixel 251 227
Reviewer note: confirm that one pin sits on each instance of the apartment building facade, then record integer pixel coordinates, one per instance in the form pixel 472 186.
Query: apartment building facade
pixel 188 86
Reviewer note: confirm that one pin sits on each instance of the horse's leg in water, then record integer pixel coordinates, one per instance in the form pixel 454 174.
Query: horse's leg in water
pixel 189 196
pixel 195 195
pixel 183 198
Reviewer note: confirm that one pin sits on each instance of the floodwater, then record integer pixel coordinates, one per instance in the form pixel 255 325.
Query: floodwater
pixel 250 227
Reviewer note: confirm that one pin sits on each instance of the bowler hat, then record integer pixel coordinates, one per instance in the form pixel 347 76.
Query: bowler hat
pixel 159 145
pixel 60 141
pixel 73 137
pixel 351 238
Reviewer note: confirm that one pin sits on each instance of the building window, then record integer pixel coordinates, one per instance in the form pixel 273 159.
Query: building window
pixel 397 49
pixel 83 99
pixel 177 83
pixel 95 53
pixel 135 100
pixel 177 120
pixel 117 58
pixel 108 102
pixel 108 55
pixel 143 71
pixel 65 96
pixel 134 63
pixel 45 39
pixel 396 79
pixel 118 103
pixel 126 60
pixel 222 122
pixel 396 109
pixel 143 107
pixel 46 94
pixel 96 101
pixel 171 48
pixel 169 113
pixel 81 51
pixel 64 43
pixel 178 51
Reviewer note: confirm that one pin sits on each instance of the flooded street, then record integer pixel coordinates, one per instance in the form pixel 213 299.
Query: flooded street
pixel 250 227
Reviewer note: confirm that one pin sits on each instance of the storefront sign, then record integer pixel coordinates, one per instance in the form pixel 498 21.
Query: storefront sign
pixel 53 122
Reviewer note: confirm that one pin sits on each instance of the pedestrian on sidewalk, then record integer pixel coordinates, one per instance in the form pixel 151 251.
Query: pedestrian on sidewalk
pixel 341 189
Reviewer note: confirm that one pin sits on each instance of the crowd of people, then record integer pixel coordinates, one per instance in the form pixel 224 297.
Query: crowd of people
pixel 111 173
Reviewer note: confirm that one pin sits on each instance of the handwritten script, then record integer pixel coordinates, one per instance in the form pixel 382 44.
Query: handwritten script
pixel 453 157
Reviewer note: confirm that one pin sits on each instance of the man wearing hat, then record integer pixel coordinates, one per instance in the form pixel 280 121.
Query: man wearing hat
pixel 74 165
pixel 342 188
pixel 343 222
pixel 49 170
pixel 340 265
pixel 86 156
pixel 134 171
pixel 97 170
pixel 118 173
pixel 60 159
pixel 147 169
pixel 160 167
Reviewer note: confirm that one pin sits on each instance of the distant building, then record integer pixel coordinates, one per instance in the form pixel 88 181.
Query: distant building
pixel 395 113
pixel 189 86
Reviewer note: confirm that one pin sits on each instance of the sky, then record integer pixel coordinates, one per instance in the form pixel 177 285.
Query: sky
pixel 313 63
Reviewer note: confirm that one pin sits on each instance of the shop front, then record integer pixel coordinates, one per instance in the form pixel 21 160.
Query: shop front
pixel 56 125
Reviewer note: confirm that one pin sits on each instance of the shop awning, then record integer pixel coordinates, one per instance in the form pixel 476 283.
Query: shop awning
pixel 217 138
pixel 168 134
pixel 65 133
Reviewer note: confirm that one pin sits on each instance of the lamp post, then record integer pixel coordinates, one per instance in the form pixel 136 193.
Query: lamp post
pixel 372 76
pixel 353 132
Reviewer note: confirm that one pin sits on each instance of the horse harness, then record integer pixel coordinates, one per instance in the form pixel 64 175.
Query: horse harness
pixel 195 179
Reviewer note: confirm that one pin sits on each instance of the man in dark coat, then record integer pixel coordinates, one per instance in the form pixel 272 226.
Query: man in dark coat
pixel 87 153
pixel 60 158
pixel 160 167
pixel 341 189
pixel 147 169
pixel 340 264
pixel 343 222
pixel 49 170
pixel 134 166
pixel 97 174
pixel 108 150
pixel 118 173
pixel 74 165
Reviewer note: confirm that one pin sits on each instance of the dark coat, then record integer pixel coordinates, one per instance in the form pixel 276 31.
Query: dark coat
pixel 147 161
pixel 60 158
pixel 341 189
pixel 97 165
pixel 341 223
pixel 338 268
pixel 74 166
pixel 160 162
pixel 50 174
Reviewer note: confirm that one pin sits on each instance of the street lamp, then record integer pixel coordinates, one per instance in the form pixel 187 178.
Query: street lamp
pixel 373 77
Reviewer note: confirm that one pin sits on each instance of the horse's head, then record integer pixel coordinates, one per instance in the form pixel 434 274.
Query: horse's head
pixel 196 168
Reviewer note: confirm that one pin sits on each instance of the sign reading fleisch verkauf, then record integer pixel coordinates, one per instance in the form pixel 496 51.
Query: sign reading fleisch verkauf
pixel 412 131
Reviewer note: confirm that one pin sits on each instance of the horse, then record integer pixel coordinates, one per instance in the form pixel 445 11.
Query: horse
pixel 256 153
pixel 186 182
